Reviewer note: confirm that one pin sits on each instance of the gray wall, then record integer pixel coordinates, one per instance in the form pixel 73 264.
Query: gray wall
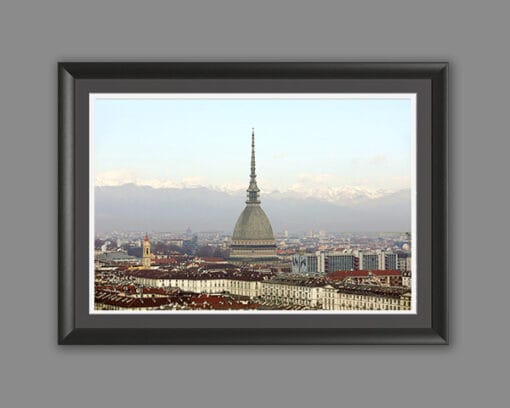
pixel 470 34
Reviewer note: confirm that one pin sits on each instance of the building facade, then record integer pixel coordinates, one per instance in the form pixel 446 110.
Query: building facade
pixel 368 260
pixel 367 297
pixel 366 293
pixel 292 291
pixel 340 262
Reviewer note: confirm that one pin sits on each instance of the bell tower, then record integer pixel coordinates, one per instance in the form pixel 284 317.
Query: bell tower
pixel 146 254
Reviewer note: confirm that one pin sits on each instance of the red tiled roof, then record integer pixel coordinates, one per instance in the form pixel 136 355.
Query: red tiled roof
pixel 234 274
pixel 213 260
pixel 373 290
pixel 113 299
pixel 148 273
pixel 162 261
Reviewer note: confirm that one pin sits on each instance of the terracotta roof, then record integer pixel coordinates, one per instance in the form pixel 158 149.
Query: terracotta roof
pixel 233 274
pixel 218 266
pixel 374 290
pixel 162 261
pixel 297 280
pixel 148 273
pixel 114 299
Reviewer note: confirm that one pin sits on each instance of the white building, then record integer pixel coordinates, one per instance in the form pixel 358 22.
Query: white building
pixel 365 297
pixel 283 290
pixel 292 291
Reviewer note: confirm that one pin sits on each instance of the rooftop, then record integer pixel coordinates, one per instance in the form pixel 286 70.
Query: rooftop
pixel 374 290
pixel 341 275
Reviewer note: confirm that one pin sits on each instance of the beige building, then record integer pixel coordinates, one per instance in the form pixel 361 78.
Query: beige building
pixel 284 290
pixel 293 291
pixel 367 297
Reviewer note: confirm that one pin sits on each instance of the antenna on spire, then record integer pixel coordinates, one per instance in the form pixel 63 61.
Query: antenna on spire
pixel 253 190
pixel 253 175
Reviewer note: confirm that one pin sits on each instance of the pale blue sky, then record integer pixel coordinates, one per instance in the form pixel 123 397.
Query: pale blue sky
pixel 299 143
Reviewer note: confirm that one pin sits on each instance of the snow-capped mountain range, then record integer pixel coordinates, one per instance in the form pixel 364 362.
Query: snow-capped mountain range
pixel 346 208
pixel 338 194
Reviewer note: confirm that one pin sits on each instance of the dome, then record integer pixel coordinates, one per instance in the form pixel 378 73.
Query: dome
pixel 253 224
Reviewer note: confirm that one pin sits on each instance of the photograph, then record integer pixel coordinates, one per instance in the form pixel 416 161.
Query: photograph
pixel 255 203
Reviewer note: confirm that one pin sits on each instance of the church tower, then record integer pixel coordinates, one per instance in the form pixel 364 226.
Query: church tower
pixel 146 254
pixel 253 238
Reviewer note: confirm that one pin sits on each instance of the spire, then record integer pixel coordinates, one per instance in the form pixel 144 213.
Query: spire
pixel 253 190
pixel 252 174
pixel 146 237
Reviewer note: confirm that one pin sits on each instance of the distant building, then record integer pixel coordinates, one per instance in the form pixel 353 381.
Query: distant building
pixel 404 261
pixel 303 263
pixel 176 242
pixel 368 260
pixel 340 262
pixel 313 263
pixel 146 252
pixel 324 262
pixel 299 264
pixel 389 261
pixel 118 257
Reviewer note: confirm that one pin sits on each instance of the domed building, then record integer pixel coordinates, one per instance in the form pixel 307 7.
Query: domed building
pixel 253 238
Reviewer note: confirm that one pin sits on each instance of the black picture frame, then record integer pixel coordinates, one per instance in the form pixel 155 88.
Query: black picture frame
pixel 428 79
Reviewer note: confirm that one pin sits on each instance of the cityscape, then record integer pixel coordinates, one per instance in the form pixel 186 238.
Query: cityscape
pixel 252 268
pixel 192 271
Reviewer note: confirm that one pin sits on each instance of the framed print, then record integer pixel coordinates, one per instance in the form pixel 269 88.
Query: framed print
pixel 252 203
